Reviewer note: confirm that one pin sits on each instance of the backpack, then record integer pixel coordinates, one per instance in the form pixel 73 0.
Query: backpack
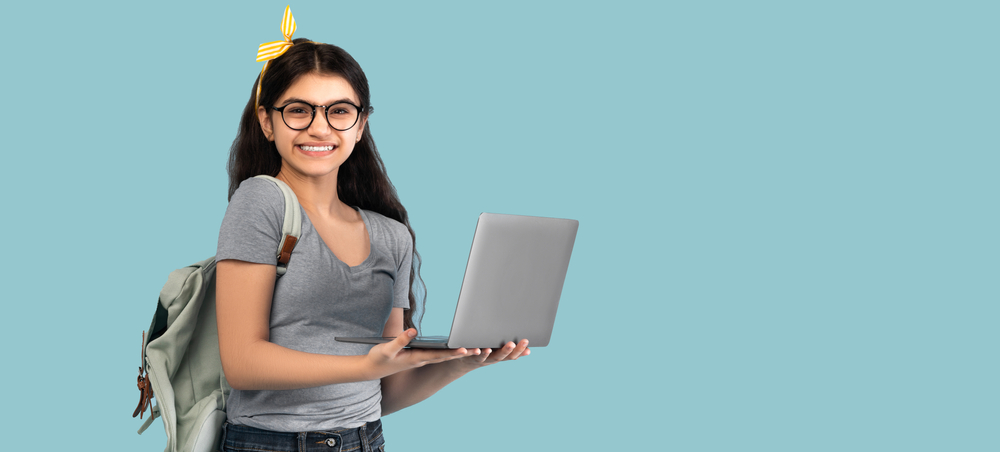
pixel 181 366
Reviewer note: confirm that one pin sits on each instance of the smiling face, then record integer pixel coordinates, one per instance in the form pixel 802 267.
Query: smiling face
pixel 319 150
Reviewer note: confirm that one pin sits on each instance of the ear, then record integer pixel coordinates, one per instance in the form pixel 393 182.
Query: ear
pixel 361 128
pixel 265 122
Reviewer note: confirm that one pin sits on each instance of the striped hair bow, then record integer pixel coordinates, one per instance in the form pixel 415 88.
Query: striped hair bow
pixel 271 50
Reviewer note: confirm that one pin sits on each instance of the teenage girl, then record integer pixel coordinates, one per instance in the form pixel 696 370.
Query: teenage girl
pixel 351 272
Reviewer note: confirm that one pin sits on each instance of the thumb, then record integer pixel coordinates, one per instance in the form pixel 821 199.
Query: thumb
pixel 397 344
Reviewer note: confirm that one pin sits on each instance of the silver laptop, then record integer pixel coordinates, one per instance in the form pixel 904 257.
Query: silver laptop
pixel 512 284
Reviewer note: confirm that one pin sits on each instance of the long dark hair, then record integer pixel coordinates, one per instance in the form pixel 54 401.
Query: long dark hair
pixel 361 180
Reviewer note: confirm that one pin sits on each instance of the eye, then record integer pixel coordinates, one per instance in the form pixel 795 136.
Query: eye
pixel 297 110
pixel 342 109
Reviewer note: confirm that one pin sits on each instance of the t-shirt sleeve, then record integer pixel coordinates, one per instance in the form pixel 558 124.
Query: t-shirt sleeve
pixel 251 228
pixel 401 287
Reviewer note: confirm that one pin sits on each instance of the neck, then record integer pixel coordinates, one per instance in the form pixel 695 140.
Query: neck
pixel 317 195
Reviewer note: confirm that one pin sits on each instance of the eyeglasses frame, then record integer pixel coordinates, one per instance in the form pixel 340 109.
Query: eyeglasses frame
pixel 325 114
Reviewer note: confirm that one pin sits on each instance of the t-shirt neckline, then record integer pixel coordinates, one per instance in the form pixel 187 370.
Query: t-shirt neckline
pixel 371 241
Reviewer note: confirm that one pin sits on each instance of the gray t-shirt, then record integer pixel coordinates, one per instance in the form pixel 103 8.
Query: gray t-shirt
pixel 318 298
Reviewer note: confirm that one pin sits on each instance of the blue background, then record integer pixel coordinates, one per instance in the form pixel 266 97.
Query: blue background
pixel 788 210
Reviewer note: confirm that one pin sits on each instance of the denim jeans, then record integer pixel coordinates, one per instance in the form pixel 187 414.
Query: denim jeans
pixel 367 438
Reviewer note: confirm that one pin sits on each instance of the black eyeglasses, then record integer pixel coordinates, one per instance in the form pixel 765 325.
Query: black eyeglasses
pixel 299 115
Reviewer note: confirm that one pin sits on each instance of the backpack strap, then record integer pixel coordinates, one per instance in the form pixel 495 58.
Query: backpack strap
pixel 153 414
pixel 291 227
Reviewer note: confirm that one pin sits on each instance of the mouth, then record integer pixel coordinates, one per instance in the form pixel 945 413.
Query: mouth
pixel 316 151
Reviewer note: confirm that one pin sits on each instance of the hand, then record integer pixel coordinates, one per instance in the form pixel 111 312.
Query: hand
pixel 484 357
pixel 391 357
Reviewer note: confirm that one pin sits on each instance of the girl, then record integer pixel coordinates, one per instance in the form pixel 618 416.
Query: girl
pixel 351 272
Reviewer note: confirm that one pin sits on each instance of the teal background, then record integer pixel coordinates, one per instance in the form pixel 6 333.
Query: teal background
pixel 788 210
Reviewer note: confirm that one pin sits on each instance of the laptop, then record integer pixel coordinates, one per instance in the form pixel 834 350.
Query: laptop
pixel 512 284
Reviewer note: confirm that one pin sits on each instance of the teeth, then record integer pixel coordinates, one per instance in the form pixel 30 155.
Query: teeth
pixel 316 148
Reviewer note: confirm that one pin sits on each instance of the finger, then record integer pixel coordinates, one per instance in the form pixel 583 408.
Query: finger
pixel 477 355
pixel 501 354
pixel 422 356
pixel 519 350
pixel 460 353
pixel 485 355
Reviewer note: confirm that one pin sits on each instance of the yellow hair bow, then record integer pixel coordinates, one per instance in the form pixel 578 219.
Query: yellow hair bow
pixel 271 50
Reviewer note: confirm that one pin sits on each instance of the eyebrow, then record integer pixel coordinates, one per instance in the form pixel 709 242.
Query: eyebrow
pixel 296 99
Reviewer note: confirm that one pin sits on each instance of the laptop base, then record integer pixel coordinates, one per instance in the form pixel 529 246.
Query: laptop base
pixel 432 342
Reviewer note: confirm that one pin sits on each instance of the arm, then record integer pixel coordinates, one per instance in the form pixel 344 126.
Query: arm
pixel 250 361
pixel 411 386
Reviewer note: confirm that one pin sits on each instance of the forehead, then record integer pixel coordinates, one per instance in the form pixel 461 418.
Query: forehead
pixel 320 89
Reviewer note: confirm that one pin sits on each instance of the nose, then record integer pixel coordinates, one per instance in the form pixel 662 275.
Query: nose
pixel 320 125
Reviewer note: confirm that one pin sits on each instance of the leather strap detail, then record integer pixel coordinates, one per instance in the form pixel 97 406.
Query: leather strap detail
pixel 145 387
pixel 286 251
pixel 145 394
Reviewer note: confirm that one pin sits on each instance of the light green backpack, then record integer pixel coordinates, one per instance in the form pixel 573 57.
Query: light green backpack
pixel 180 352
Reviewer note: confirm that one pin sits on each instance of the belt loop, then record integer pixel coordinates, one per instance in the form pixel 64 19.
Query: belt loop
pixel 222 439
pixel 365 447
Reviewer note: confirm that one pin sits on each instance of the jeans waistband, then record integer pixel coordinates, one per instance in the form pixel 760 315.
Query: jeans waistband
pixel 367 438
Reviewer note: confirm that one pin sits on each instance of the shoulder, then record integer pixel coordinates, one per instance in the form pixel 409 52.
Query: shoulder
pixel 256 194
pixel 257 200
pixel 251 228
pixel 256 189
